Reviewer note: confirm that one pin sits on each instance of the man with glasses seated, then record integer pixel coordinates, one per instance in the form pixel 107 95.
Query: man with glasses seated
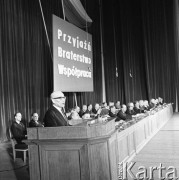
pixel 55 115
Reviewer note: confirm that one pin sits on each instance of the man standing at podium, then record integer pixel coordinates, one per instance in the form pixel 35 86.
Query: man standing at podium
pixel 55 115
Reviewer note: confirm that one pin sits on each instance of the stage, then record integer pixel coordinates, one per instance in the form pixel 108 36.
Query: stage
pixel 161 150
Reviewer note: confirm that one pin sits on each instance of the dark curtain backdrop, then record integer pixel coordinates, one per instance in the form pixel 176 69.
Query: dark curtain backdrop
pixel 26 63
pixel 140 58
pixel 140 43
pixel 176 24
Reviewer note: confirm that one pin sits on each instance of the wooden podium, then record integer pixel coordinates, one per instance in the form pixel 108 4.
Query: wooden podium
pixel 88 152
pixel 77 152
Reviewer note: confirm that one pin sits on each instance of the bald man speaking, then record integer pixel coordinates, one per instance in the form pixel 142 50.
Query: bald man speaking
pixel 55 115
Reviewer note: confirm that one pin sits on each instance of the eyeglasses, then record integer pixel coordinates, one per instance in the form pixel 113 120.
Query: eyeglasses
pixel 64 97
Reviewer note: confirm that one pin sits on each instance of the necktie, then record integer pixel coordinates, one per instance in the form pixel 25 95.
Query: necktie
pixel 64 115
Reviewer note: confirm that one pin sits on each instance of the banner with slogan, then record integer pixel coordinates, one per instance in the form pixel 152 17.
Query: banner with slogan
pixel 72 57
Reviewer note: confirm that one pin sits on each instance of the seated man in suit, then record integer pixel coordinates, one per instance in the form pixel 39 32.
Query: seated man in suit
pixel 55 115
pixel 89 109
pixel 19 131
pixel 136 107
pixel 97 110
pixel 152 103
pixel 122 114
pixel 118 105
pixel 141 106
pixel 34 122
pixel 160 100
pixel 83 110
pixel 146 105
pixel 112 113
pixel 104 109
pixel 130 109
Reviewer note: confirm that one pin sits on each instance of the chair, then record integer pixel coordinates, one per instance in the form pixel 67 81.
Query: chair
pixel 13 143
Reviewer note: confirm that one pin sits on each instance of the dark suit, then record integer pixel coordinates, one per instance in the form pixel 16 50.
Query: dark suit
pixel 137 110
pixel 53 118
pixel 123 116
pixel 33 123
pixel 130 112
pixel 104 112
pixel 81 113
pixel 88 112
pixel 95 111
pixel 142 109
pixel 19 132
pixel 114 115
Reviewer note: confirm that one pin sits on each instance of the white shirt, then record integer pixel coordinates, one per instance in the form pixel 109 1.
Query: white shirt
pixel 60 109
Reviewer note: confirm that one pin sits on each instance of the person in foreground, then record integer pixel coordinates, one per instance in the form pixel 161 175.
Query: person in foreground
pixel 55 115
pixel 34 122
pixel 19 131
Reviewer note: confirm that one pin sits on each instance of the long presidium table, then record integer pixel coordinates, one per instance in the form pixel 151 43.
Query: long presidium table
pixel 89 152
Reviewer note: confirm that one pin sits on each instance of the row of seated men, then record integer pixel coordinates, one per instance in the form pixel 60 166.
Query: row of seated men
pixel 121 112
pixel 55 115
